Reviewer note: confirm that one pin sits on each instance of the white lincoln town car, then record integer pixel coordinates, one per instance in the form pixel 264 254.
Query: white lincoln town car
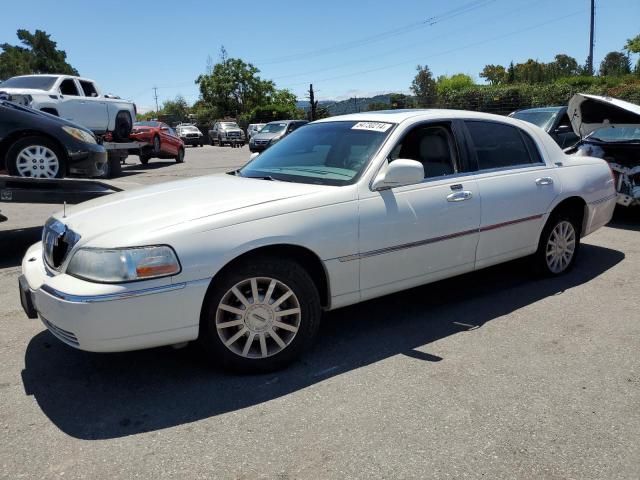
pixel 342 210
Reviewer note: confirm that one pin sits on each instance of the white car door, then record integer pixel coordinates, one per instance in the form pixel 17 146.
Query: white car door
pixel 92 109
pixel 69 102
pixel 517 189
pixel 419 233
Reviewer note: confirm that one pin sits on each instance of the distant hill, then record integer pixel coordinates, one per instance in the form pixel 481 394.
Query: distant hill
pixel 350 105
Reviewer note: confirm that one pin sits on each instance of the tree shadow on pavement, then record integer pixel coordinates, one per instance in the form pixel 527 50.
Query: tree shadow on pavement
pixel 14 243
pixel 101 396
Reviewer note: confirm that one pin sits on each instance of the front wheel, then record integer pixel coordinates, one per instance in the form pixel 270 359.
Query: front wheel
pixel 558 246
pixel 260 316
pixel 220 144
pixel 180 156
pixel 36 157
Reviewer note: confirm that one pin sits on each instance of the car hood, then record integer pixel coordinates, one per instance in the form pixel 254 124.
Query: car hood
pixel 266 136
pixel 22 91
pixel 133 215
pixel 590 112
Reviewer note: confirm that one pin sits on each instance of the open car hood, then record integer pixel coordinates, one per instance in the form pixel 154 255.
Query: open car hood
pixel 590 112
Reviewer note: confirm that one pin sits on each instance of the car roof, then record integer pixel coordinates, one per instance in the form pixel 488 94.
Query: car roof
pixel 56 75
pixel 399 116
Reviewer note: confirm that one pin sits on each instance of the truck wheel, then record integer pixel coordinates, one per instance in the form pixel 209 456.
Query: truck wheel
pixel 36 157
pixel 114 167
pixel 180 156
pixel 220 144
pixel 123 127
pixel 144 159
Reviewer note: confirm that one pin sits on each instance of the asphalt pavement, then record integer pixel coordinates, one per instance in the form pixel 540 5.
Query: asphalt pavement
pixel 495 374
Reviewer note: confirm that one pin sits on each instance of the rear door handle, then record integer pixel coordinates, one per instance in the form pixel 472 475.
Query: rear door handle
pixel 544 181
pixel 459 196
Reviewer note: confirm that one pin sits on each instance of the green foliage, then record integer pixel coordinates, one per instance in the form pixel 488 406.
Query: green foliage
pixel 400 101
pixel 375 106
pixel 38 55
pixel 423 87
pixel 615 64
pixel 494 74
pixel 633 44
pixel 458 81
pixel 178 108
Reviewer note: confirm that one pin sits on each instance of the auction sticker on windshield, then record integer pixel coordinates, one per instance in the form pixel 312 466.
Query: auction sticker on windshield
pixel 373 126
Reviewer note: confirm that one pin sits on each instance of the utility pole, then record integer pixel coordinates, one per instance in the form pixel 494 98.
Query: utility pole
pixel 591 32
pixel 313 103
pixel 355 104
pixel 155 95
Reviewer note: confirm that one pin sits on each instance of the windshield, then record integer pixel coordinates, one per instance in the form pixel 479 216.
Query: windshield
pixel 543 119
pixel 189 129
pixel 616 134
pixel 230 125
pixel 273 127
pixel 328 153
pixel 37 83
pixel 146 124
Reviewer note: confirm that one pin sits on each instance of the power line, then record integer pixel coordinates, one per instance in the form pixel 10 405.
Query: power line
pixel 417 59
pixel 404 29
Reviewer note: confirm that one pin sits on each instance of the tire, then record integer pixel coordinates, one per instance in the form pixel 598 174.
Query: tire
pixel 212 142
pixel 157 145
pixel 36 156
pixel 123 126
pixel 144 159
pixel 114 167
pixel 558 246
pixel 265 353
pixel 180 156
pixel 220 144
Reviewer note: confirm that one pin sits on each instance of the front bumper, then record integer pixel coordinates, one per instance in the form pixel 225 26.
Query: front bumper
pixel 111 318
pixel 192 140
pixel 89 162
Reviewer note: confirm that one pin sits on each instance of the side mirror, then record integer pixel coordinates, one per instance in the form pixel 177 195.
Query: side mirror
pixel 564 129
pixel 399 173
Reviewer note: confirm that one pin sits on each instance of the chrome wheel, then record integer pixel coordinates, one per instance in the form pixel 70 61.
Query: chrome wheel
pixel 258 317
pixel 37 161
pixel 561 247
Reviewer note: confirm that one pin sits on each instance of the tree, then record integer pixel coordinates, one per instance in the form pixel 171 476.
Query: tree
pixel 530 71
pixel 633 46
pixel 38 55
pixel 177 108
pixel 458 81
pixel 511 73
pixel 423 87
pixel 400 101
pixel 615 64
pixel 563 66
pixel 373 106
pixel 494 74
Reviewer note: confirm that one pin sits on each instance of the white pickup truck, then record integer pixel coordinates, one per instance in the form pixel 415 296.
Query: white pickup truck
pixel 73 98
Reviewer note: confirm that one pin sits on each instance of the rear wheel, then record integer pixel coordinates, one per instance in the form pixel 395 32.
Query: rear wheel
pixel 157 145
pixel 123 126
pixel 558 246
pixel 180 156
pixel 36 157
pixel 261 315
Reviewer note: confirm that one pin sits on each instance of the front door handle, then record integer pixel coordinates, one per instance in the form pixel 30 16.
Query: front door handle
pixel 459 196
pixel 544 181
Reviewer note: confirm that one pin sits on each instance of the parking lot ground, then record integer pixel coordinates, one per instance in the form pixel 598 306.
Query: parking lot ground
pixel 494 374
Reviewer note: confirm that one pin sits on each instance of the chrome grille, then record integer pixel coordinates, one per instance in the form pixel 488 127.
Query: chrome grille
pixel 57 242
pixel 67 337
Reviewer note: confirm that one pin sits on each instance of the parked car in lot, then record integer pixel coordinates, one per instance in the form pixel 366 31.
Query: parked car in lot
pixel 611 130
pixel 226 132
pixel 343 210
pixel 39 145
pixel 163 141
pixel 553 120
pixel 254 128
pixel 190 135
pixel 273 132
pixel 76 99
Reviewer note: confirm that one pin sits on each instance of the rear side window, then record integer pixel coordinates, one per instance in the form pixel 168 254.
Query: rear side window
pixel 499 146
pixel 68 87
pixel 88 88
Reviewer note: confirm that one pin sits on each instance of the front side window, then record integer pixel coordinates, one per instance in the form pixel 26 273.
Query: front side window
pixel 431 145
pixel 327 153
pixel 68 87
pixel 497 145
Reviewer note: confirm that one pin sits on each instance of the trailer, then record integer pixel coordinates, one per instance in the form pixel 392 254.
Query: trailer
pixel 117 153
pixel 44 190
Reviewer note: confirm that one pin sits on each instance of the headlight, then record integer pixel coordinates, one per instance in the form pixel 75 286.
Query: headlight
pixel 274 140
pixel 124 264
pixel 79 134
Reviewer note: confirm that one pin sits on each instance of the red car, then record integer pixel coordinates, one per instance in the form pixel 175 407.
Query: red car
pixel 163 141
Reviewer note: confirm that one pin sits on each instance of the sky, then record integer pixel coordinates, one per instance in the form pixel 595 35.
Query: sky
pixel 345 48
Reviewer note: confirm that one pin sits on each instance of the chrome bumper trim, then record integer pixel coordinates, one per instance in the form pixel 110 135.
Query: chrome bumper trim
pixel 110 296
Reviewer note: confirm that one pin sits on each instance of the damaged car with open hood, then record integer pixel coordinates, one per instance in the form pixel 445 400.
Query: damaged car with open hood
pixel 610 129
